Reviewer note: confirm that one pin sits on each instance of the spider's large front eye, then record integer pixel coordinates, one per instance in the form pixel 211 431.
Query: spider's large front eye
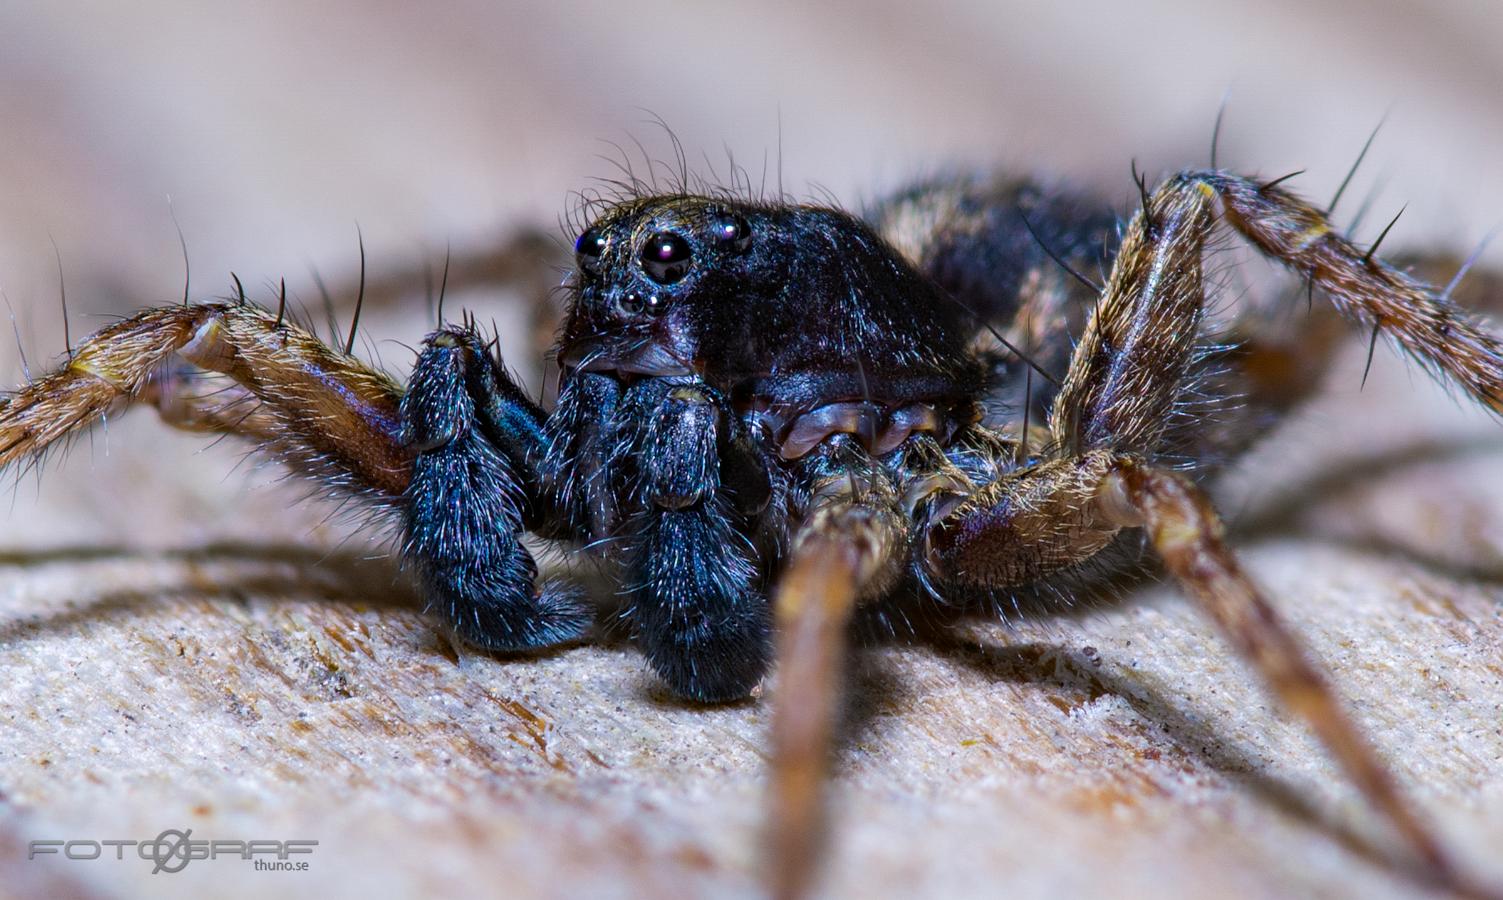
pixel 733 233
pixel 588 248
pixel 665 257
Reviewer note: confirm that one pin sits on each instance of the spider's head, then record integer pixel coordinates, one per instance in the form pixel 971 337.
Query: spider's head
pixel 643 272
pixel 776 304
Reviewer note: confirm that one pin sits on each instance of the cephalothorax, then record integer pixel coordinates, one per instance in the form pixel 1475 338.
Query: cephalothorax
pixel 785 424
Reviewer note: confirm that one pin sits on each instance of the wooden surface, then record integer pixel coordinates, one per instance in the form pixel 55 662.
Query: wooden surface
pixel 184 645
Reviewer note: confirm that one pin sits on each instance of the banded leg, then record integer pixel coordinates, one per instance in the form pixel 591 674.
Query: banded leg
pixel 1131 364
pixel 477 440
pixel 322 411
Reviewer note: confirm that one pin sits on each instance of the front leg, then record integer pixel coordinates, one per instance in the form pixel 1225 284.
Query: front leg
pixel 696 610
pixel 475 440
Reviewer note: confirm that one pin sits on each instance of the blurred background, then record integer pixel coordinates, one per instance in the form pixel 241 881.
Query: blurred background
pixel 266 132
pixel 269 130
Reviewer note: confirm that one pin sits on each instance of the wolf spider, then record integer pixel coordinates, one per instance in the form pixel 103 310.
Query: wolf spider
pixel 789 426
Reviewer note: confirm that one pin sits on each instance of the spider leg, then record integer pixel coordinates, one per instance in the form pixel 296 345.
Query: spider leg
pixel 849 548
pixel 323 411
pixel 477 442
pixel 1259 371
pixel 1188 536
pixel 1041 520
pixel 696 609
pixel 1471 283
pixel 1133 360
pixel 1128 371
pixel 190 399
pixel 1428 323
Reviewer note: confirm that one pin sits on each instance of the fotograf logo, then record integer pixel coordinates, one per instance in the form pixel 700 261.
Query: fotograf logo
pixel 173 849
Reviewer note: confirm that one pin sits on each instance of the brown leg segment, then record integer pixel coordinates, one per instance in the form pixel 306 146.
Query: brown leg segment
pixel 1429 325
pixel 323 411
pixel 1023 527
pixel 1188 536
pixel 1479 288
pixel 1132 362
pixel 1033 524
pixel 191 399
pixel 851 546
pixel 1129 370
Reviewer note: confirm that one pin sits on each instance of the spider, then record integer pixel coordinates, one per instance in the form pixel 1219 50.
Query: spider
pixel 789 427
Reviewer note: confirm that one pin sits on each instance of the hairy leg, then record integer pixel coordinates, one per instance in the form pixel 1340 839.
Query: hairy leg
pixel 1188 536
pixel 696 609
pixel 1130 367
pixel 1472 285
pixel 477 442
pixel 323 411
pixel 1128 372
pixel 1425 321
pixel 1262 369
pixel 1042 520
pixel 850 547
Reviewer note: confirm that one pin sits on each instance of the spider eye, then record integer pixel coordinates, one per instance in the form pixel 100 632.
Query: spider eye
pixel 635 303
pixel 588 248
pixel 665 257
pixel 733 233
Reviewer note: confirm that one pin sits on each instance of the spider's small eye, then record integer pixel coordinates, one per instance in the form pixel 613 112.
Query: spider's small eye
pixel 635 303
pixel 665 257
pixel 588 248
pixel 733 233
